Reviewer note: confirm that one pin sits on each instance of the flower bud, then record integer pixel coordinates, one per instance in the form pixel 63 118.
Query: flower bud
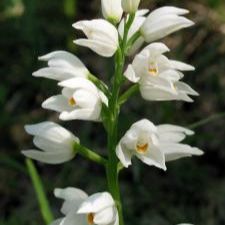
pixel 112 10
pixel 130 6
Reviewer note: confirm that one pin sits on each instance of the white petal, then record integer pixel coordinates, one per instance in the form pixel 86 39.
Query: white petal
pixel 70 193
pixel 154 93
pixel 50 131
pixel 144 125
pixel 101 48
pixel 97 202
pixel 154 157
pixel 79 83
pixel 49 157
pixel 167 10
pixel 65 63
pixel 57 103
pixel 181 66
pixel 73 198
pixel 157 48
pixel 102 36
pixel 157 29
pixel 173 128
pixel 130 6
pixel 170 75
pixel 174 151
pixel 74 219
pixel 105 216
pixel 55 73
pixel 53 146
pixel 183 87
pixel 85 99
pixel 124 155
pixel 131 75
pixel 171 133
pixel 112 10
pixel 92 114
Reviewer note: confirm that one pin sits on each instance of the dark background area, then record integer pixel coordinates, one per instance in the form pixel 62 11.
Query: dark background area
pixel 192 190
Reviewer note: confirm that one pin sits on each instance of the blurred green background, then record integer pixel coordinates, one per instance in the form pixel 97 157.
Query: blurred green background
pixel 192 190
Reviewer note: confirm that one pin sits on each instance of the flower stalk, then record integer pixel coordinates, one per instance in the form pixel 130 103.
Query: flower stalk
pixel 114 109
pixel 89 154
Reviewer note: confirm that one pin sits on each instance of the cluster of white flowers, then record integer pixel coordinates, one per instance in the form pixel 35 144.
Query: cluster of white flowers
pixel 82 98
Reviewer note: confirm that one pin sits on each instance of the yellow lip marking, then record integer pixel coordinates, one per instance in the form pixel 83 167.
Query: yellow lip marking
pixel 72 102
pixel 142 148
pixel 153 69
pixel 90 218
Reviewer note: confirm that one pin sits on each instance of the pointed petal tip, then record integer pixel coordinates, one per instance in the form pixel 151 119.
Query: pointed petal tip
pixel 36 73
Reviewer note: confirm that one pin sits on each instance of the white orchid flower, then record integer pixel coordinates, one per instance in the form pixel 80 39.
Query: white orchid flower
pixel 112 10
pixel 141 140
pixel 80 99
pixel 158 76
pixel 151 62
pixel 130 6
pixel 164 21
pixel 102 36
pixel 79 209
pixel 55 142
pixel 154 145
pixel 62 65
pixel 137 23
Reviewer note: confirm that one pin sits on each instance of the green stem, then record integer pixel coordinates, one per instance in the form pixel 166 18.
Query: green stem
pixel 100 84
pixel 132 40
pixel 40 192
pixel 114 109
pixel 130 92
pixel 207 120
pixel 87 153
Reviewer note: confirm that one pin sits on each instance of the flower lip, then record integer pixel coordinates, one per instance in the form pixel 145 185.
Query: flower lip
pixel 153 69
pixel 142 148
pixel 90 218
pixel 72 101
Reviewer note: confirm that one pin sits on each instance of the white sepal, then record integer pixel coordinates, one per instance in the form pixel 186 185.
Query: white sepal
pixel 102 36
pixel 112 10
pixel 62 65
pixel 130 6
pixel 164 21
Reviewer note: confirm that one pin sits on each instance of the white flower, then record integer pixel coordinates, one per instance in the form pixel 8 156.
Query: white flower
pixel 130 6
pixel 141 140
pixel 102 36
pixel 158 76
pixel 62 65
pixel 154 145
pixel 112 10
pixel 166 91
pixel 151 62
pixel 137 23
pixel 79 209
pixel 80 99
pixel 164 21
pixel 55 142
